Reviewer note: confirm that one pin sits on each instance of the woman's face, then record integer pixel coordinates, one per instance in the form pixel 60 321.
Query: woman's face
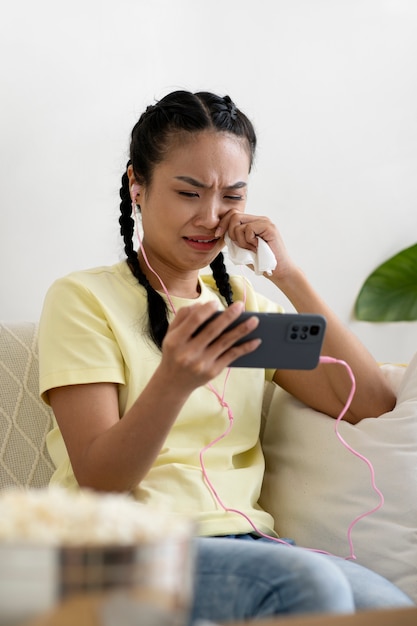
pixel 201 179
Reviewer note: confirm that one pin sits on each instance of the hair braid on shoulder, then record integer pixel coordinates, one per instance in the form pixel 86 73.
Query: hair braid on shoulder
pixel 126 221
pixel 221 277
pixel 157 308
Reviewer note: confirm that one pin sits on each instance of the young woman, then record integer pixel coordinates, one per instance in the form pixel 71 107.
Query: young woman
pixel 138 395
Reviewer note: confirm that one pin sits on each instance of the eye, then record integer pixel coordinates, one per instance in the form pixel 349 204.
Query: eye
pixel 189 194
pixel 235 198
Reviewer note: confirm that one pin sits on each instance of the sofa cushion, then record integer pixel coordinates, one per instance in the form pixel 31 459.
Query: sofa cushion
pixel 314 487
pixel 24 419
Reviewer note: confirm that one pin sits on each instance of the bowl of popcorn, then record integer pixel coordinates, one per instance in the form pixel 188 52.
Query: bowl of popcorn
pixel 103 559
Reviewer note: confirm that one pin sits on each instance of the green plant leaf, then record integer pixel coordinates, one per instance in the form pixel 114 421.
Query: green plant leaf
pixel 389 294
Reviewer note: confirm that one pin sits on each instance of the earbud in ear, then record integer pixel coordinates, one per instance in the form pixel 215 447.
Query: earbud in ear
pixel 134 191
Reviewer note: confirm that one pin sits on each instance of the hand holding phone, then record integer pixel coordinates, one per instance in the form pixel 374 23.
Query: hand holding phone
pixel 288 340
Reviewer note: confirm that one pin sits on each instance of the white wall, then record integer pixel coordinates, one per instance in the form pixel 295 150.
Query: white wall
pixel 330 84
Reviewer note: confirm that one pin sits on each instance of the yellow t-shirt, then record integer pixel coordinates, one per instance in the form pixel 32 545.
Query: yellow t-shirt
pixel 92 329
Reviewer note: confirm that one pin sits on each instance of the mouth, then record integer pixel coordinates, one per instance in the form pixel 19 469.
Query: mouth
pixel 202 239
pixel 201 243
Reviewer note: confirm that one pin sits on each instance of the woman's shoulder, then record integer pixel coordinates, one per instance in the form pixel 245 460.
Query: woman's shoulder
pixel 96 274
pixel 105 289
pixel 95 279
pixel 93 300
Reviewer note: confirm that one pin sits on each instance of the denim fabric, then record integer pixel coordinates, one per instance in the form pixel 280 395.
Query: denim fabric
pixel 246 577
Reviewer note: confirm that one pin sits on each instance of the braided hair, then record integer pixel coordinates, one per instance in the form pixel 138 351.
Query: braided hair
pixel 178 112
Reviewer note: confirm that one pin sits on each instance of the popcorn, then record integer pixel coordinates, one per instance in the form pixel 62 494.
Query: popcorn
pixel 57 516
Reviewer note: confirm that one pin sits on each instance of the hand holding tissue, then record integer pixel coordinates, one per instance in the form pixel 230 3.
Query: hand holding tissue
pixel 263 260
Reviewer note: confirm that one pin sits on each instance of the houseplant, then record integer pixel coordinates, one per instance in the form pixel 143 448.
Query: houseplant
pixel 389 294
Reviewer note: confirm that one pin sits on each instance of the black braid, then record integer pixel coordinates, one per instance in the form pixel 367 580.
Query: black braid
pixel 221 277
pixel 157 308
pixel 177 113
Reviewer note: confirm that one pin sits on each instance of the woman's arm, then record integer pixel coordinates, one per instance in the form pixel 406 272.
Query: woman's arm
pixel 108 453
pixel 112 454
pixel 325 388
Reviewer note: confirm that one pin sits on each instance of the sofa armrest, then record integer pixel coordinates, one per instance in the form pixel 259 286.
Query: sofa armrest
pixel 24 419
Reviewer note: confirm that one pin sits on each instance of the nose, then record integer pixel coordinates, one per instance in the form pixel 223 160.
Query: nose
pixel 209 214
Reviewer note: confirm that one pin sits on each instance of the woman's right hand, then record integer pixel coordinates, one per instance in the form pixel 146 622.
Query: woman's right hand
pixel 192 359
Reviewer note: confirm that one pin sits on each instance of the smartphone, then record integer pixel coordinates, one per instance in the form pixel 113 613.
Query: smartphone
pixel 289 340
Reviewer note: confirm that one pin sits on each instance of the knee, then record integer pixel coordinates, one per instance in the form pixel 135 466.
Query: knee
pixel 312 585
pixel 240 580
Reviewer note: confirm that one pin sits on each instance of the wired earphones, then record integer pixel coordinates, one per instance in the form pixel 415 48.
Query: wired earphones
pixel 221 398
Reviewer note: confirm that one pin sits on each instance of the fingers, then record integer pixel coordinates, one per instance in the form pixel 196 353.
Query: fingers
pixel 197 323
pixel 190 318
pixel 244 229
pixel 245 235
pixel 220 334
pixel 199 346
pixel 228 221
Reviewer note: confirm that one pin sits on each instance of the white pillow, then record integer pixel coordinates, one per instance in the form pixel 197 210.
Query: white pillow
pixel 315 488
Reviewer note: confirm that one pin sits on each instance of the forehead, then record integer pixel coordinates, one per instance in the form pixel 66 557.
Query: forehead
pixel 208 152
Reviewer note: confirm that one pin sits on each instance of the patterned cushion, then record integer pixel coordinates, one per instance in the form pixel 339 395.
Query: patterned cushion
pixel 24 419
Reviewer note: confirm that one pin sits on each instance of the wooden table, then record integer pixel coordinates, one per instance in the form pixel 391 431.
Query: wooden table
pixel 398 617
pixel 83 613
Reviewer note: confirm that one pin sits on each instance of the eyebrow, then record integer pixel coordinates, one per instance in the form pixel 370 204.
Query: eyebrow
pixel 196 183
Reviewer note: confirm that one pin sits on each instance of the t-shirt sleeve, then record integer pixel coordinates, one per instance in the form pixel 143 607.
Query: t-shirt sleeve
pixel 76 343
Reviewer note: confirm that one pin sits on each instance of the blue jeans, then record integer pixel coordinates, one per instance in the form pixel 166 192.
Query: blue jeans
pixel 245 577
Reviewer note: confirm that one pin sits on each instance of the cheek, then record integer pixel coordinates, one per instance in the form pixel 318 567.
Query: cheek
pixel 157 224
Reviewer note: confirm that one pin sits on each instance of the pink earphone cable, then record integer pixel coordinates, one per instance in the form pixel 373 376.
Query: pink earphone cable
pixel 223 403
pixel 323 359
pixel 326 359
pixel 220 397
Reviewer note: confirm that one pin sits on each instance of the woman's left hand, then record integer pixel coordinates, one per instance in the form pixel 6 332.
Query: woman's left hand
pixel 243 230
pixel 323 388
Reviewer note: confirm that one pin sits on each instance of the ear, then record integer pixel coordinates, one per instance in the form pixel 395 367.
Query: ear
pixel 133 185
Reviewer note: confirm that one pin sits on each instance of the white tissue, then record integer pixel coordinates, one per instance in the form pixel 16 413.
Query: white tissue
pixel 263 260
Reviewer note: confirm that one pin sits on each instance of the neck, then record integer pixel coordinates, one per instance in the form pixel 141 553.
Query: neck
pixel 184 285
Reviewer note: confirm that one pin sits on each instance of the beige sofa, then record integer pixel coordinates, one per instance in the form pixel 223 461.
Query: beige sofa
pixel 320 493
pixel 24 419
